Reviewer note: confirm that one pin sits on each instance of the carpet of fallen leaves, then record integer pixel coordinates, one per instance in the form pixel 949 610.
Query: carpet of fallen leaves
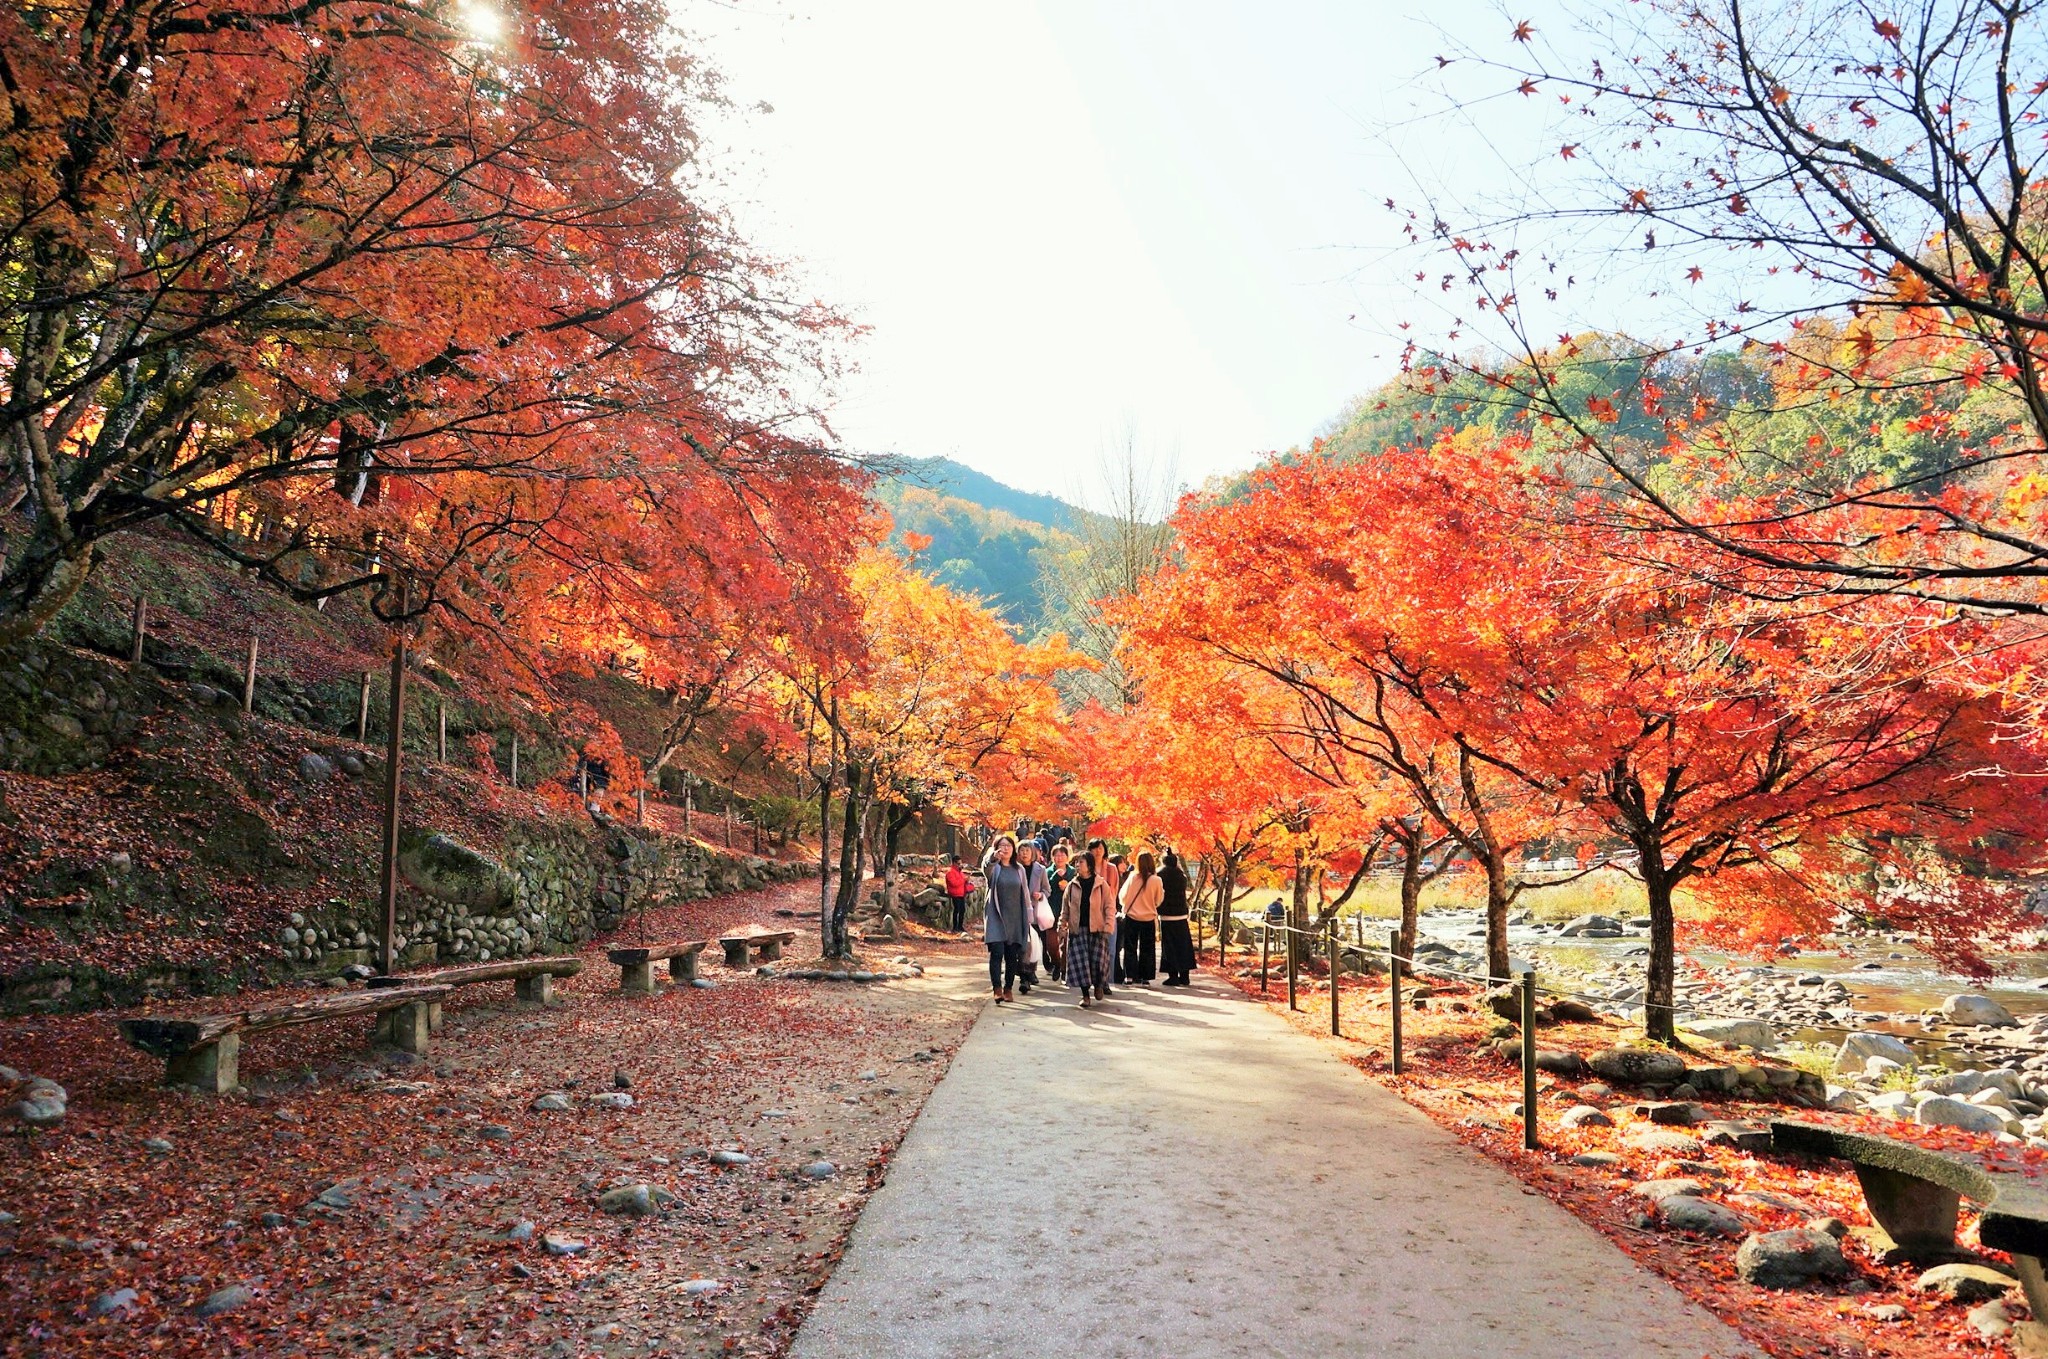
pixel 409 1255
pixel 1476 1094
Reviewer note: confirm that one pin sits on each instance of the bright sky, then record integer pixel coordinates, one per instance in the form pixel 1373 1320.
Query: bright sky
pixel 1066 219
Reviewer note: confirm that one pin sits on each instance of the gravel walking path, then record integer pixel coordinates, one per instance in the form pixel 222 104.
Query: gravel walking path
pixel 1182 1173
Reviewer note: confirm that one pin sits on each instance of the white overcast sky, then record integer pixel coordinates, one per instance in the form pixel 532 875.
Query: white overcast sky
pixel 1063 219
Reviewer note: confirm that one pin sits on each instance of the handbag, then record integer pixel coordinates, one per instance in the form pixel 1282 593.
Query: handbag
pixel 1034 950
pixel 1041 914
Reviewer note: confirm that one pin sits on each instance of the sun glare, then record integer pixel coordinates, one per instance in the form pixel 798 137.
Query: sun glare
pixel 484 22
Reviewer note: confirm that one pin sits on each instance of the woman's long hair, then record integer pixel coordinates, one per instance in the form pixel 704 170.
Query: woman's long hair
pixel 1172 871
pixel 1147 866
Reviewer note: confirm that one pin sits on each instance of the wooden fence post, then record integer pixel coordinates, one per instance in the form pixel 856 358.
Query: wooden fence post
pixel 363 710
pixel 1529 1060
pixel 1265 953
pixel 441 720
pixel 515 759
pixel 1293 967
pixel 249 677
pixel 640 799
pixel 394 758
pixel 139 629
pixel 1394 992
pixel 687 800
pixel 1336 971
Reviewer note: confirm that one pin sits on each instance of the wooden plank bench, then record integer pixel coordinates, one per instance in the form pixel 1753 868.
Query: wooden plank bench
pixel 744 948
pixel 1914 1194
pixel 533 979
pixel 636 965
pixel 206 1050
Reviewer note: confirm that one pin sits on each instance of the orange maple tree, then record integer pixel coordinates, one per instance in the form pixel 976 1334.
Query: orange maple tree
pixel 369 300
pixel 1786 764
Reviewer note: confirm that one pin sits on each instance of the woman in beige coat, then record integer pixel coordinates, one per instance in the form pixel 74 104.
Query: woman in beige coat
pixel 1140 898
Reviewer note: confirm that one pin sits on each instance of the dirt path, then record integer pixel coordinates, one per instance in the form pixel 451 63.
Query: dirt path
pixel 1185 1174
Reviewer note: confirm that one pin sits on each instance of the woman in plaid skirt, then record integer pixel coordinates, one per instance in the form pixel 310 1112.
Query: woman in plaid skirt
pixel 1088 921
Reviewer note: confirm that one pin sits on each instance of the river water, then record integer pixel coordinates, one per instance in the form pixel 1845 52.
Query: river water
pixel 1900 986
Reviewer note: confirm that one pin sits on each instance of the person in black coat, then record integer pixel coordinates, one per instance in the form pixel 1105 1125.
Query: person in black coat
pixel 1176 944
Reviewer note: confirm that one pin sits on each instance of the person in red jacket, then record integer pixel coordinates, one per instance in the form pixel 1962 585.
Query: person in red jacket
pixel 956 889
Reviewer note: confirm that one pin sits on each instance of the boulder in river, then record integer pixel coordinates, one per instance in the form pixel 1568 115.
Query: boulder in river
pixel 1858 1048
pixel 1592 926
pixel 1974 1009
pixel 1944 1111
pixel 1740 1033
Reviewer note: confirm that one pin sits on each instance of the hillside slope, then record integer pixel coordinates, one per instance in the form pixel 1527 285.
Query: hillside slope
pixel 155 840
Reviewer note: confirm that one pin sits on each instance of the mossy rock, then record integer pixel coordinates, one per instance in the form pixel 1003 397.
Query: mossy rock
pixel 448 870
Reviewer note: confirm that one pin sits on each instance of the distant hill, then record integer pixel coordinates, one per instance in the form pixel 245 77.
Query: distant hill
pixel 962 482
pixel 988 539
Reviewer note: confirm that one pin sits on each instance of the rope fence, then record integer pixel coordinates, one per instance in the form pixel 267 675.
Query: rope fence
pixel 1525 984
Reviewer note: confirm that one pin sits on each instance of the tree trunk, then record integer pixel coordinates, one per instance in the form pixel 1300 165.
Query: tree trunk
pixel 899 818
pixel 838 944
pixel 1658 1019
pixel 1412 853
pixel 1497 919
pixel 1300 943
pixel 1494 860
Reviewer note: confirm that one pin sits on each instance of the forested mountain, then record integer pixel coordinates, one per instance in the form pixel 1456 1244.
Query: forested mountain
pixel 987 538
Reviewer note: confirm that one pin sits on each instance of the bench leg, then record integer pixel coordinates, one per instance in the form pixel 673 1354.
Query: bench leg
pixel 2032 1283
pixel 409 1028
pixel 1920 1217
pixel 215 1069
pixel 736 953
pixel 683 968
pixel 636 979
pixel 535 990
pixel 434 1016
pixel 771 951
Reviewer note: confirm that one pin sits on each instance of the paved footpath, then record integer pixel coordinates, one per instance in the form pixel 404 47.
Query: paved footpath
pixel 1183 1174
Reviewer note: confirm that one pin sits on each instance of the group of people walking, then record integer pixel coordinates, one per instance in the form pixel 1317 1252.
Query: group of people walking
pixel 1088 916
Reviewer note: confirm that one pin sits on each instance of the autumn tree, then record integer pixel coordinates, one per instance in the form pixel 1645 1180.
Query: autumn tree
pixel 366 300
pixel 1846 196
pixel 1731 744
pixel 938 705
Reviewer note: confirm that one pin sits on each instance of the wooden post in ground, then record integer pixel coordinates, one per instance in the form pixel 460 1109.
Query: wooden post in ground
pixel 1265 953
pixel 249 677
pixel 1529 1060
pixel 515 759
pixel 138 628
pixel 640 801
pixel 394 759
pixel 1293 967
pixel 583 783
pixel 441 719
pixel 687 801
pixel 1336 971
pixel 363 710
pixel 1394 993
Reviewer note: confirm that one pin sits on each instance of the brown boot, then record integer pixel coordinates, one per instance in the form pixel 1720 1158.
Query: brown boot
pixel 1007 995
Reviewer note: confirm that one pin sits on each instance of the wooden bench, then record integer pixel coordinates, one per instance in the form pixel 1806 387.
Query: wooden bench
pixel 744 948
pixel 636 965
pixel 206 1050
pixel 1913 1195
pixel 533 979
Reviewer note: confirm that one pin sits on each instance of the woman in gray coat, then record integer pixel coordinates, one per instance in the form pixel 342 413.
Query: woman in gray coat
pixel 1006 918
